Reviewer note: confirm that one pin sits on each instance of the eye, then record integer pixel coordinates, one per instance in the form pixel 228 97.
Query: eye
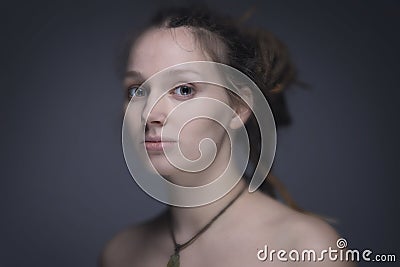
pixel 183 91
pixel 136 91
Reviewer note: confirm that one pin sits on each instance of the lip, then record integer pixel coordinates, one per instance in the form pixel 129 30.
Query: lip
pixel 154 143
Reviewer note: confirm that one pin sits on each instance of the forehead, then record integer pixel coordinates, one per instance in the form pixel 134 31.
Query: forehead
pixel 158 49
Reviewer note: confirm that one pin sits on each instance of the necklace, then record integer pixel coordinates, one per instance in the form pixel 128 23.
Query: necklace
pixel 174 259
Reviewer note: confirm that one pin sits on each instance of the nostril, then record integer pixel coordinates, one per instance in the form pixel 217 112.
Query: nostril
pixel 155 118
pixel 155 122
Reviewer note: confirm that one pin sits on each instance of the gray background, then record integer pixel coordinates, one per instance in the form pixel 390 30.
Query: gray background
pixel 65 189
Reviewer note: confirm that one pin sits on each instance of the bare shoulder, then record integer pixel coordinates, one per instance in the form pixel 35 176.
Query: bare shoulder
pixel 299 228
pixel 308 232
pixel 313 232
pixel 115 252
pixel 125 247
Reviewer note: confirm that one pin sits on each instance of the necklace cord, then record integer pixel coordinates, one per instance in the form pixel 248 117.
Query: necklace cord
pixel 180 247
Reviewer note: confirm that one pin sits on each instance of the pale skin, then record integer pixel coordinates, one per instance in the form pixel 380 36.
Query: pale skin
pixel 253 221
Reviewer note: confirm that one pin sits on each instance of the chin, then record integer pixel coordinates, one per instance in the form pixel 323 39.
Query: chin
pixel 162 166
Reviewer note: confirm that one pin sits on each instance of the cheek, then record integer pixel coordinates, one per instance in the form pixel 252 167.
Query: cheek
pixel 133 121
pixel 213 123
pixel 197 130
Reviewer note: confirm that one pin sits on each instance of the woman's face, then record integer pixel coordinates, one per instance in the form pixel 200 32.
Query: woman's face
pixel 154 51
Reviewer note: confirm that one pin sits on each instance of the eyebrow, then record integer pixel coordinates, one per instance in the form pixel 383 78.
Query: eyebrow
pixel 135 75
pixel 182 71
pixel 139 76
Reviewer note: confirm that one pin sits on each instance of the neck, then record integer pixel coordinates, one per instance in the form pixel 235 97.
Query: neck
pixel 188 221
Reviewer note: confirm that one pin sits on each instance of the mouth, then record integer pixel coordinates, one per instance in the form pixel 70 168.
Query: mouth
pixel 156 144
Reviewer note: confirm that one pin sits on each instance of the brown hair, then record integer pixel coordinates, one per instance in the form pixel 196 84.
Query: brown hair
pixel 256 53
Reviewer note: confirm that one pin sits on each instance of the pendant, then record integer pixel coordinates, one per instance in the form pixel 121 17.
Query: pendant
pixel 174 260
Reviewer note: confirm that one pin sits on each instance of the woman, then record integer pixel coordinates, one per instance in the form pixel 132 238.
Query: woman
pixel 239 228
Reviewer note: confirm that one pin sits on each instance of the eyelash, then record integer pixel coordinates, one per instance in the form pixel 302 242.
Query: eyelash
pixel 132 91
pixel 182 96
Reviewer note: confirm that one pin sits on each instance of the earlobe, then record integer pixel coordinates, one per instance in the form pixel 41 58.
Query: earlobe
pixel 240 118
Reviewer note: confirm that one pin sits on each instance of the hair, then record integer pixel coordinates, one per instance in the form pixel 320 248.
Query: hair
pixel 253 51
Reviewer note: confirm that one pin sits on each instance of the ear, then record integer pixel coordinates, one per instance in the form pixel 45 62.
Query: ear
pixel 243 108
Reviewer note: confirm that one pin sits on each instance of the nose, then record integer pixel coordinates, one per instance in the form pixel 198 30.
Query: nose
pixel 155 111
